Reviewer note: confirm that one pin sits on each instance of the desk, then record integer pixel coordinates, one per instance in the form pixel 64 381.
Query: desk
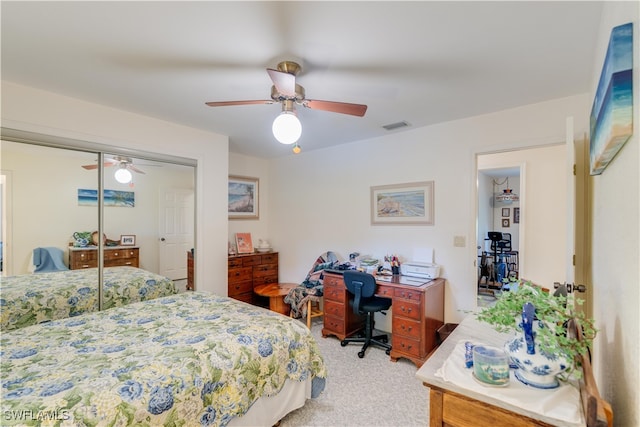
pixel 455 406
pixel 417 311
pixel 276 293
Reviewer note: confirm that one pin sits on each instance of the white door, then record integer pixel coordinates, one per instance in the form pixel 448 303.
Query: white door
pixel 176 225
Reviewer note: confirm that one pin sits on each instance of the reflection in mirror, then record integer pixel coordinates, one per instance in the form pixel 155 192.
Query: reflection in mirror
pixel 50 201
pixel 148 226
pixel 41 213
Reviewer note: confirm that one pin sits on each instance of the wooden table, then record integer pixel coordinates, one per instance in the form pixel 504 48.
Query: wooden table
pixel 276 293
pixel 456 406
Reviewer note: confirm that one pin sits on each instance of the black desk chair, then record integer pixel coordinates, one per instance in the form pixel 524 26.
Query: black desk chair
pixel 363 286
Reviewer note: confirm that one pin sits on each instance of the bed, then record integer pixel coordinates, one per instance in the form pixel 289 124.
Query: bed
pixel 40 297
pixel 189 359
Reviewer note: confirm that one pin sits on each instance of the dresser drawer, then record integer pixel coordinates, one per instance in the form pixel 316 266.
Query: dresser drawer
pixel 265 270
pixel 237 288
pixel 84 256
pixel 251 260
pixel 332 280
pixel 335 292
pixel 406 308
pixel 406 327
pixel 410 294
pixel 248 297
pixel 269 258
pixel 405 345
pixel 384 291
pixel 334 324
pixel 114 254
pixel 264 280
pixel 240 274
pixel 234 263
pixel 333 308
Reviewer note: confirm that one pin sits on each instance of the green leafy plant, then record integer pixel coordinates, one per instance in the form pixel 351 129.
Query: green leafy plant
pixel 552 311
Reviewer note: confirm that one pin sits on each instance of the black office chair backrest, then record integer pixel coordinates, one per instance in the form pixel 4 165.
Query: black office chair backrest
pixel 361 285
pixel 494 235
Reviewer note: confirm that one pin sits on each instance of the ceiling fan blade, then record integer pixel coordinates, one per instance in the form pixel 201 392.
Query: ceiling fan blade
pixel 135 169
pixel 228 103
pixel 107 163
pixel 336 107
pixel 285 83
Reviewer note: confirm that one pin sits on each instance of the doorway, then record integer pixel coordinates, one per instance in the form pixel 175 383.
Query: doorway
pixel 498 225
pixel 539 177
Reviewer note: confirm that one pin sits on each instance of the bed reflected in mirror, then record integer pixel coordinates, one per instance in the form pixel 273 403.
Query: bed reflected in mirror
pixel 50 241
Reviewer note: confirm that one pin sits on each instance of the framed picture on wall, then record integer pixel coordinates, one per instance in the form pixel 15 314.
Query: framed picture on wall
pixel 505 212
pixel 243 197
pixel 410 204
pixel 516 215
pixel 505 222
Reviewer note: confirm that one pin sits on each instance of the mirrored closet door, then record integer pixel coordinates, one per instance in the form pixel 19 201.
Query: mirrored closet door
pixel 52 216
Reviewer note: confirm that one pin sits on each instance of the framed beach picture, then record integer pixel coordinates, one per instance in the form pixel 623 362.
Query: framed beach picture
pixel 408 204
pixel 243 197
pixel 244 243
pixel 611 121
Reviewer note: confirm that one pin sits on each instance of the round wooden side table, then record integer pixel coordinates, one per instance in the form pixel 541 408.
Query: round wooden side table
pixel 276 293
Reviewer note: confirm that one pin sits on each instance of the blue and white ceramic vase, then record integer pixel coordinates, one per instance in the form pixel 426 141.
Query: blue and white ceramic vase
pixel 536 368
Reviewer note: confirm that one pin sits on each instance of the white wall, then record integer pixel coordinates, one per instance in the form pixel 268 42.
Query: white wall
pixel 320 200
pixel 34 110
pixel 257 168
pixel 616 248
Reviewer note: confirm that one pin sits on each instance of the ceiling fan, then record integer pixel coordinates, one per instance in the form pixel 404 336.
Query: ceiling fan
pixel 121 162
pixel 286 91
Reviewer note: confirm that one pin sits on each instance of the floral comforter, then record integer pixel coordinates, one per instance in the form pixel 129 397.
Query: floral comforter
pixel 188 359
pixel 35 298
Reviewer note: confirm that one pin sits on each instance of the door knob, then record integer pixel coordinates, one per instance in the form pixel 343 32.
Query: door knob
pixel 162 239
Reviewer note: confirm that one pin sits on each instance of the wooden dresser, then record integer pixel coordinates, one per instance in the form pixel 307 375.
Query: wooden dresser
pixel 113 257
pixel 247 271
pixel 417 312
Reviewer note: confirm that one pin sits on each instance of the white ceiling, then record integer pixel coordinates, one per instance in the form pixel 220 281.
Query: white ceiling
pixel 422 62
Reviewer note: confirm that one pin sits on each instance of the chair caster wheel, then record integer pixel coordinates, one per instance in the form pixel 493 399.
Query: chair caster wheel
pixel 361 354
pixel 388 352
pixel 343 343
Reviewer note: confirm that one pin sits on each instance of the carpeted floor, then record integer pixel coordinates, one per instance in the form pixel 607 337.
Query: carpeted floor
pixel 372 391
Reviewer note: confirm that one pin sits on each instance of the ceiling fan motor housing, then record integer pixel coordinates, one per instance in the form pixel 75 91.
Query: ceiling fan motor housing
pixel 278 97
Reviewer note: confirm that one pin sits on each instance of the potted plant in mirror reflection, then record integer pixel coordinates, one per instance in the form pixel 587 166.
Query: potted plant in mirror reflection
pixel 552 315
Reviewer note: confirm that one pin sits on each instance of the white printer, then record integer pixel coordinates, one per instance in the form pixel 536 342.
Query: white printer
pixel 423 270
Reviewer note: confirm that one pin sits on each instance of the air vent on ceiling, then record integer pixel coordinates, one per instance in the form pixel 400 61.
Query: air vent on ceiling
pixel 396 125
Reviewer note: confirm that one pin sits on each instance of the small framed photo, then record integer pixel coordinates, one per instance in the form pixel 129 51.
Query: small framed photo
pixel 516 215
pixel 505 212
pixel 244 244
pixel 505 222
pixel 127 240
pixel 243 197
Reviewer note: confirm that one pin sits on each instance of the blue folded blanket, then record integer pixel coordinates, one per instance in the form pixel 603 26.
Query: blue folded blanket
pixel 48 259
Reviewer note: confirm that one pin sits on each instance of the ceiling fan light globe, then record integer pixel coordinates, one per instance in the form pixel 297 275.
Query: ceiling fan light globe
pixel 123 176
pixel 286 128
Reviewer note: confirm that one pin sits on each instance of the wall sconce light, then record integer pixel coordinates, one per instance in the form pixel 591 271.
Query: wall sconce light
pixel 123 175
pixel 286 128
